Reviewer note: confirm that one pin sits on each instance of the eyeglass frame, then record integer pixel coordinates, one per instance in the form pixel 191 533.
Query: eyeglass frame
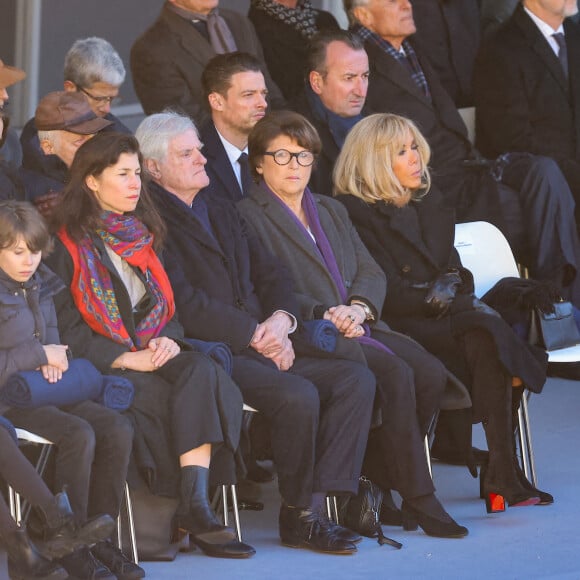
pixel 296 155
pixel 100 100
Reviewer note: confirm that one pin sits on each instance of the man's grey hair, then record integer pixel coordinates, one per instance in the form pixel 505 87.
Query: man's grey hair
pixel 349 6
pixel 93 60
pixel 50 136
pixel 156 131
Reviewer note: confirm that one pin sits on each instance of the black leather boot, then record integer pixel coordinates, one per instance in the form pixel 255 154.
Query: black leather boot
pixel 501 478
pixel 25 562
pixel 60 533
pixel 195 516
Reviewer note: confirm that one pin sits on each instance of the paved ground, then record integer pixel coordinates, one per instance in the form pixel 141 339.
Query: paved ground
pixel 522 543
pixel 533 542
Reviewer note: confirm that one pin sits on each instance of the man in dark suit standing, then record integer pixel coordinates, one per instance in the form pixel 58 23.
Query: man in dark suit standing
pixel 168 59
pixel 527 87
pixel 525 195
pixel 235 90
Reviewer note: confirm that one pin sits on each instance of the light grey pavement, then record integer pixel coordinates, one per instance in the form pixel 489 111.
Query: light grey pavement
pixel 521 543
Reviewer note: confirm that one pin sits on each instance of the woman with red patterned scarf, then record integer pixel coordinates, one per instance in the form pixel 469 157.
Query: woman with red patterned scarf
pixel 185 406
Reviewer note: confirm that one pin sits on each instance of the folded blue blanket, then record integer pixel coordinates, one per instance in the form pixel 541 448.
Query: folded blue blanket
pixel 117 393
pixel 321 334
pixel 81 382
pixel 219 352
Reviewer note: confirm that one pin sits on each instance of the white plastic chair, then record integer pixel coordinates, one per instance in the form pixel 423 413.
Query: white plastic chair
pixel 484 250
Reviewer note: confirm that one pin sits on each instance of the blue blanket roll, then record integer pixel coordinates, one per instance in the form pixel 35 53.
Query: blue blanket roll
pixel 219 352
pixel 81 382
pixel 321 334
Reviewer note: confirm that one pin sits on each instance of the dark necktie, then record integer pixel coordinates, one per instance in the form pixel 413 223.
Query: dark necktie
pixel 563 52
pixel 245 175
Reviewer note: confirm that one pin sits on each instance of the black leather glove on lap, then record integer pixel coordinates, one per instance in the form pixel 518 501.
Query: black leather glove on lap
pixel 441 293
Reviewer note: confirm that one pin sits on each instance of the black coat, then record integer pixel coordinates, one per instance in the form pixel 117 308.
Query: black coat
pixel 524 102
pixel 222 289
pixel 152 410
pixel 414 250
pixel 392 90
pixel 448 31
pixel 321 178
pixel 285 49
pixel 168 58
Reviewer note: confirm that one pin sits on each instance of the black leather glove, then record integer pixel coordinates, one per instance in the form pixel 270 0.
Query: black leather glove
pixel 441 293
pixel 483 307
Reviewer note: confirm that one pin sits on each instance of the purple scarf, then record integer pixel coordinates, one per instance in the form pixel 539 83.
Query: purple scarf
pixel 324 248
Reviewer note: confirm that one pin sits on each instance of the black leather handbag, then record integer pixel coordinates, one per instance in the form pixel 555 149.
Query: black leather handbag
pixel 360 513
pixel 554 330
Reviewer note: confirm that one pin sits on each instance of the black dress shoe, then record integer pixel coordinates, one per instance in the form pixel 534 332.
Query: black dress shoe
pixel 231 549
pixel 82 565
pixel 123 568
pixel 345 533
pixel 304 528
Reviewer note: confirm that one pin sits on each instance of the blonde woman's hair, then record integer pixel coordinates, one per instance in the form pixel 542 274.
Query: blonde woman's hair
pixel 364 167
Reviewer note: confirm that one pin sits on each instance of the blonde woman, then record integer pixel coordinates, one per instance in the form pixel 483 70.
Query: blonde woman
pixel 383 176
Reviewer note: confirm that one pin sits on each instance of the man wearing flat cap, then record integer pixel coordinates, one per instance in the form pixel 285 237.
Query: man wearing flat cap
pixel 10 153
pixel 64 121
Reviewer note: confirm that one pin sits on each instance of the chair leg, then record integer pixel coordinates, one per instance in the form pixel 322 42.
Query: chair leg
pixel 128 504
pixel 525 441
pixel 236 511
pixel 428 454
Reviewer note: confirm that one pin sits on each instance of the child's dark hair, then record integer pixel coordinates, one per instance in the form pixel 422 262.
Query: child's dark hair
pixel 21 219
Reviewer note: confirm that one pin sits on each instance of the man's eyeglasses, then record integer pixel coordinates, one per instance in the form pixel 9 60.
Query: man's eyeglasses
pixel 283 157
pixel 100 100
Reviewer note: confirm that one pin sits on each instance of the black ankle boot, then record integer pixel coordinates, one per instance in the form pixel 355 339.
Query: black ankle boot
pixel 500 477
pixel 25 562
pixel 428 513
pixel 60 533
pixel 195 517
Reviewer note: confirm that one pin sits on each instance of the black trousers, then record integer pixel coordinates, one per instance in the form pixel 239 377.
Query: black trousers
pixel 409 389
pixel 93 446
pixel 187 402
pixel 536 214
pixel 319 412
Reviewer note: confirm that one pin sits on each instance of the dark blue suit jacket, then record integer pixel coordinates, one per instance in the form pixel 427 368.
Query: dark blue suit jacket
pixel 224 284
pixel 222 179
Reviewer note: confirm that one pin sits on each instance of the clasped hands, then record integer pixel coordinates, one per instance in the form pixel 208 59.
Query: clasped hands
pixel 159 350
pixel 271 340
pixel 347 319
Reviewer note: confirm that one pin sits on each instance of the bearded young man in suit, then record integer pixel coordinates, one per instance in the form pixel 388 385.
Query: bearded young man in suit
pixel 235 91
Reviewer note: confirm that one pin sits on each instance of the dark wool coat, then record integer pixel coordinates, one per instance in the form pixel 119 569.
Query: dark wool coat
pixel 414 246
pixel 167 61
pixel 524 101
pixel 222 290
pixel 152 411
pixel 285 49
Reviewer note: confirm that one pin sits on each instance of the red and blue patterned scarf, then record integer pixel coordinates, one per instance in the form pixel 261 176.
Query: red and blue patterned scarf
pixel 92 286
